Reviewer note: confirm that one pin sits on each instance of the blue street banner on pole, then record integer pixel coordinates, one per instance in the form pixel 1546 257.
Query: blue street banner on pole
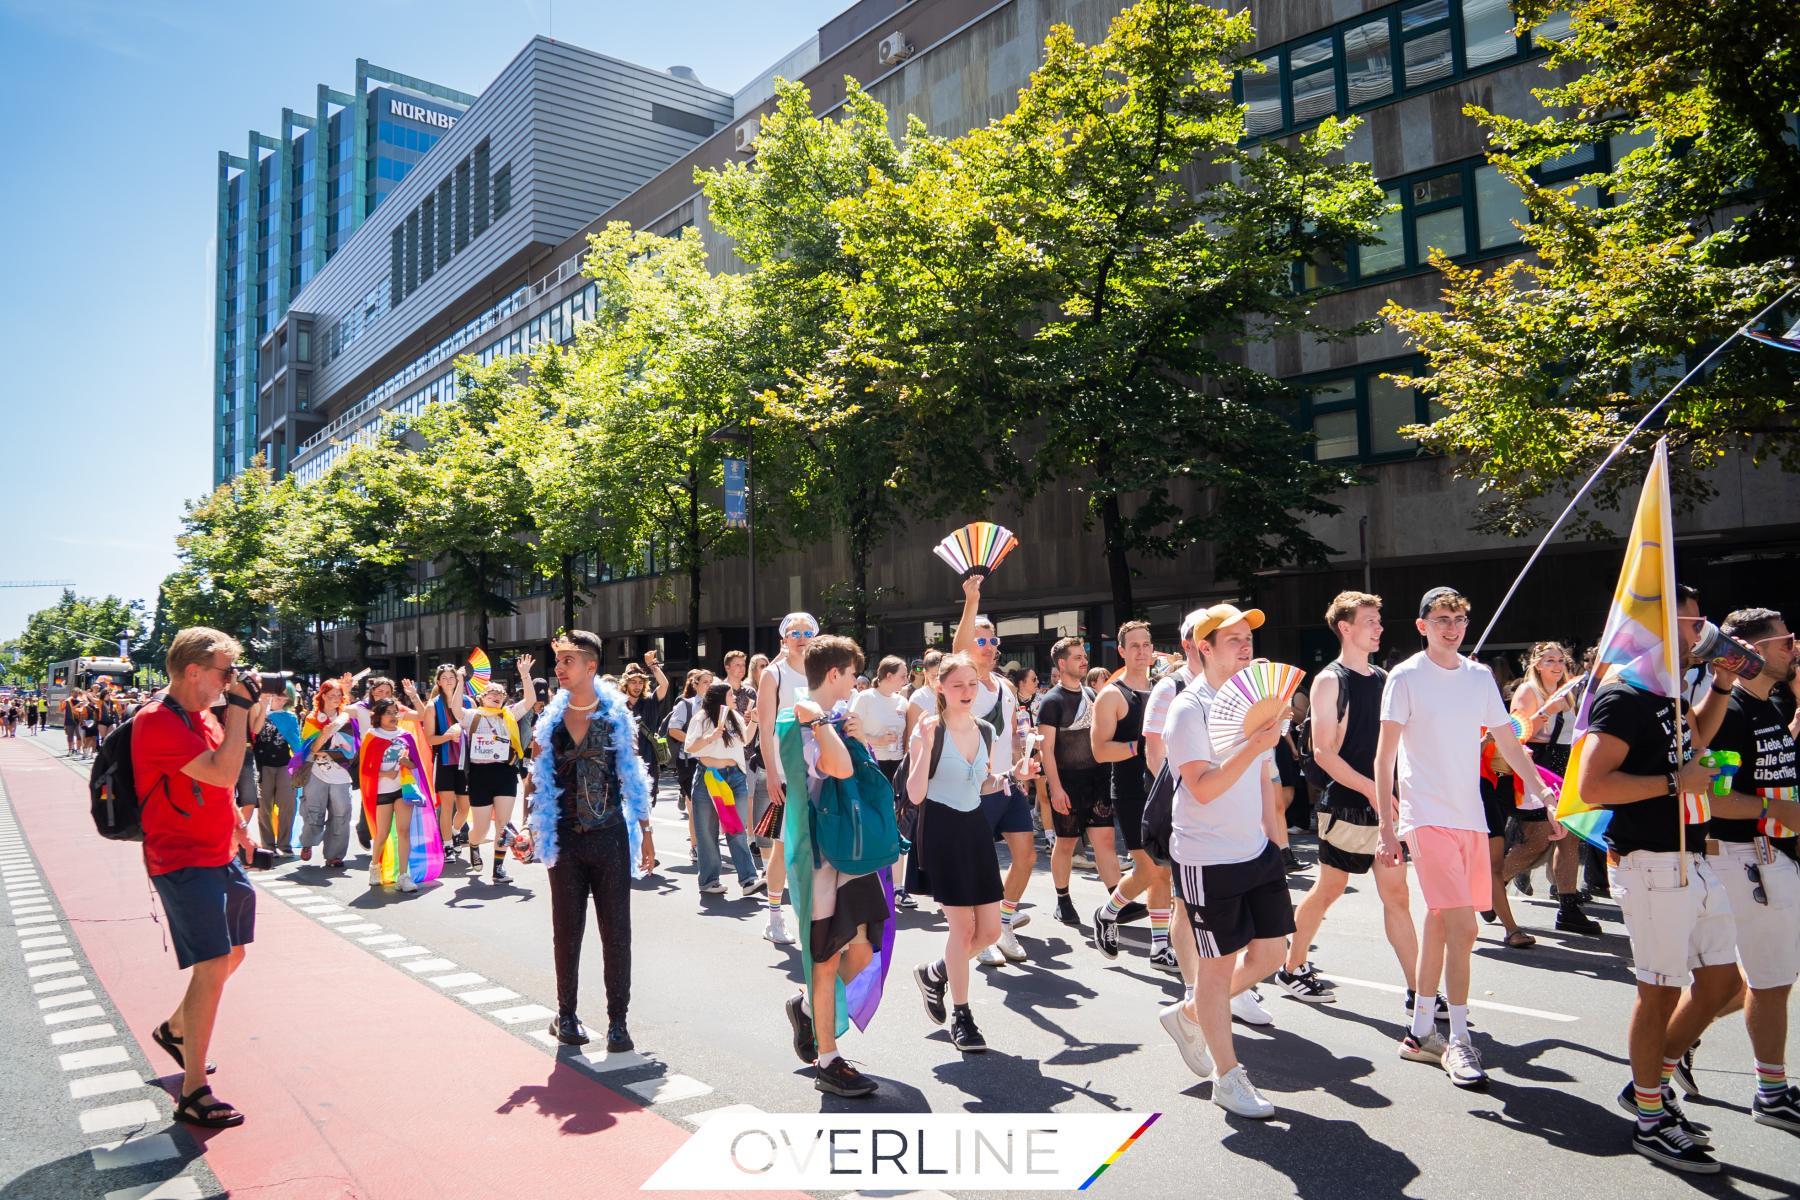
pixel 736 515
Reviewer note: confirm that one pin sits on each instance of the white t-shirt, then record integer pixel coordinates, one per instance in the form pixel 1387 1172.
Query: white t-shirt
pixel 679 717
pixel 883 723
pixel 1442 713
pixel 1156 712
pixel 699 726
pixel 1230 829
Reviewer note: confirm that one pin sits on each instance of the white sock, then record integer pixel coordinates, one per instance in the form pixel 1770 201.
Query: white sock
pixel 1187 995
pixel 827 1057
pixel 806 1003
pixel 1424 1015
pixel 1459 1022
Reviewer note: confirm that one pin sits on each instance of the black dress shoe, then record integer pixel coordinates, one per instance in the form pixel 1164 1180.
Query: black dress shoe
pixel 618 1041
pixel 568 1030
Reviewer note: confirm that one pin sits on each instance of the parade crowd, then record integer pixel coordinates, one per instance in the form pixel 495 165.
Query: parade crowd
pixel 1429 776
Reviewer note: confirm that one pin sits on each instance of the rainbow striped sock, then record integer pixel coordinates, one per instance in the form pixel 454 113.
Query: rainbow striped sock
pixel 1116 903
pixel 774 906
pixel 1771 1080
pixel 1649 1106
pixel 1008 910
pixel 1159 930
pixel 1668 1069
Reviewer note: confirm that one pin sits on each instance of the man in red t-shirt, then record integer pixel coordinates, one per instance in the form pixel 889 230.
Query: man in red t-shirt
pixel 184 763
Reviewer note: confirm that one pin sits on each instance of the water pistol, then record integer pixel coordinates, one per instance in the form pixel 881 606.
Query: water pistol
pixel 1727 763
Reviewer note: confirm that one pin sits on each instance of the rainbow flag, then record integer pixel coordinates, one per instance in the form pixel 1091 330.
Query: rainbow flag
pixel 1639 645
pixel 724 801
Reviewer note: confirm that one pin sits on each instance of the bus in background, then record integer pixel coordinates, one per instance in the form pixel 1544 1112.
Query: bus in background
pixel 83 674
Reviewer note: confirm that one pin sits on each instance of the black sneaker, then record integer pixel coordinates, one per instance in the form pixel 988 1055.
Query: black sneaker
pixel 1164 960
pixel 1305 985
pixel 1290 860
pixel 1106 933
pixel 1572 920
pixel 841 1079
pixel 568 1030
pixel 450 853
pixel 806 1045
pixel 933 991
pixel 1783 1112
pixel 474 858
pixel 618 1039
pixel 461 837
pixel 1684 1072
pixel 1065 912
pixel 1701 1134
pixel 904 899
pixel 500 872
pixel 1522 885
pixel 963 1034
pixel 1669 1145
pixel 1136 910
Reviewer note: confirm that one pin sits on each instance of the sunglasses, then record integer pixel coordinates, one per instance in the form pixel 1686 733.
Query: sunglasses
pixel 801 633
pixel 1785 639
pixel 988 641
pixel 1757 892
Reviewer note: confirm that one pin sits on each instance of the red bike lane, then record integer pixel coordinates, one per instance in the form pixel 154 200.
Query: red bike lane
pixel 357 1079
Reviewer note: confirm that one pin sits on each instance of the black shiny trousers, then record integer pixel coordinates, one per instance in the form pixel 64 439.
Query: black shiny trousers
pixel 596 864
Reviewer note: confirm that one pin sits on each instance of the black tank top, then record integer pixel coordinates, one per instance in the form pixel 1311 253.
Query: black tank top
pixel 1361 706
pixel 1128 780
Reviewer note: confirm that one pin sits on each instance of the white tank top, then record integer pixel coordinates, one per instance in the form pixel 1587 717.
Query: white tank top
pixel 788 683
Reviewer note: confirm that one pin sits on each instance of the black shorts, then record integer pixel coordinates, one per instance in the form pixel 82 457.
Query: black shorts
pixel 1233 904
pixel 488 780
pixel 1129 791
pixel 861 908
pixel 1090 802
pixel 1007 811
pixel 451 778
pixel 1497 804
pixel 210 910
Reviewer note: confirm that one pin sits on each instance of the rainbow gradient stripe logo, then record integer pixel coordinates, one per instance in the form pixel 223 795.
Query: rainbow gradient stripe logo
pixel 1116 1155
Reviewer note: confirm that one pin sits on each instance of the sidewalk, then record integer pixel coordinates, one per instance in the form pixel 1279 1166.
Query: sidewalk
pixel 357 1078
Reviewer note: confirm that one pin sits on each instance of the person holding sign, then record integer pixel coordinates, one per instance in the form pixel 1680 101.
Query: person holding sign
pixel 495 749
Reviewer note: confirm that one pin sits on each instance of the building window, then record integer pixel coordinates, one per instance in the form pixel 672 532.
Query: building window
pixel 462 205
pixel 502 190
pixel 479 202
pixel 412 251
pixel 445 212
pixel 428 236
pixel 687 122
pixel 1358 414
pixel 397 263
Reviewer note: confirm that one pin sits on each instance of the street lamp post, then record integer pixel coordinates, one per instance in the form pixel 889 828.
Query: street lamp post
pixel 732 435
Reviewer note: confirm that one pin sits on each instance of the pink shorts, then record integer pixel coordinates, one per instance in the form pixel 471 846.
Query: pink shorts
pixel 1452 867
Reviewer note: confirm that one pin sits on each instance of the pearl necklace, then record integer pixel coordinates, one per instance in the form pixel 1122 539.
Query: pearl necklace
pixel 583 708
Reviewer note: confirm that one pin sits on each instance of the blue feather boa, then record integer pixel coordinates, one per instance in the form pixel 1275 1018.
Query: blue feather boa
pixel 634 781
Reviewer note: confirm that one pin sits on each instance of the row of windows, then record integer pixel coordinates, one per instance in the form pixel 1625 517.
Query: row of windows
pixel 1465 209
pixel 1356 414
pixel 406 137
pixel 392 168
pixel 1380 56
pixel 446 221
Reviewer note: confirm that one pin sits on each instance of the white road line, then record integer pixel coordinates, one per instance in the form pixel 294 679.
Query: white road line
pixel 121 1116
pixel 57 985
pixel 459 979
pixel 81 1060
pixel 403 951
pixel 85 1013
pixel 668 1088
pixel 730 1110
pixel 36 956
pixel 493 995
pixel 55 1001
pixel 419 966
pixel 314 910
pixel 104 1085
pixel 87 1033
pixel 1488 1004
pixel 182 1187
pixel 38 943
pixel 360 927
pixel 54 968
pixel 521 1014
pixel 340 918
pixel 380 939
pixel 134 1153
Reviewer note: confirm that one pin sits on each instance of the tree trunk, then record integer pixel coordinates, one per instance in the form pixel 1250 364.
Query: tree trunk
pixel 319 644
pixel 1112 527
pixel 482 592
pixel 363 638
pixel 693 566
pixel 859 579
pixel 568 592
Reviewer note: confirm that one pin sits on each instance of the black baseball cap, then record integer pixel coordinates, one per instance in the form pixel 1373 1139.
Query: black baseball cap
pixel 1436 594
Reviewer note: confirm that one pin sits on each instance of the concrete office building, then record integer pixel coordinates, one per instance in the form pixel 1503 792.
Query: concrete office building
pixel 1407 67
pixel 286 206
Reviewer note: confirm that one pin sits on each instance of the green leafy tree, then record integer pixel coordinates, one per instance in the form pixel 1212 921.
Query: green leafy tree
pixel 224 548
pixel 76 626
pixel 1542 364
pixel 1092 267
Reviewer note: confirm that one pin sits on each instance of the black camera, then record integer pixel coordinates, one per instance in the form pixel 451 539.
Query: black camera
pixel 269 683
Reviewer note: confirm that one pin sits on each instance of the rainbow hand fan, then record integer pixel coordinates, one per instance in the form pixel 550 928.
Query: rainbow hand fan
pixel 977 548
pixel 481 670
pixel 1249 700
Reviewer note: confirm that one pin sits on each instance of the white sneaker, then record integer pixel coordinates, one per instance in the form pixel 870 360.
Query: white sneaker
pixel 1234 1093
pixel 776 930
pixel 374 874
pixel 406 883
pixel 1009 945
pixel 1463 1065
pixel 1186 1036
pixel 991 956
pixel 714 888
pixel 1021 920
pixel 1246 1008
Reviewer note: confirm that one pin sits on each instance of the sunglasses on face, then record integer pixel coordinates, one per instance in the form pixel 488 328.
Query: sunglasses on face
pixel 988 641
pixel 802 633
pixel 1785 639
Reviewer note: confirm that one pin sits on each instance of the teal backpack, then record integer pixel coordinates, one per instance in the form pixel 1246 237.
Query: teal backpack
pixel 853 825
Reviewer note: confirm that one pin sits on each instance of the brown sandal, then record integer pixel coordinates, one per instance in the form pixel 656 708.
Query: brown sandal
pixel 1518 939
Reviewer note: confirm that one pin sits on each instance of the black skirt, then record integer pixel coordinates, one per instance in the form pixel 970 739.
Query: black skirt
pixel 953 859
pixel 860 904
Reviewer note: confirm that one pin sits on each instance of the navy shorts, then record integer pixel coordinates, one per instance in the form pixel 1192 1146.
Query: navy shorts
pixel 1007 811
pixel 210 910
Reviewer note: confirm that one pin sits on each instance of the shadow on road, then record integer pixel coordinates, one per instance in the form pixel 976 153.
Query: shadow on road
pixel 1325 1160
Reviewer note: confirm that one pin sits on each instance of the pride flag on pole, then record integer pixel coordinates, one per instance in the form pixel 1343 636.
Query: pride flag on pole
pixel 1639 646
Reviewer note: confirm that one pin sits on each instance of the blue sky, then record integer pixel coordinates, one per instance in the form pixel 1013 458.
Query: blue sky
pixel 112 114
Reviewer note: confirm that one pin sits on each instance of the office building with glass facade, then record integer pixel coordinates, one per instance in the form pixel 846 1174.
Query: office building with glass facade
pixel 1406 68
pixel 286 205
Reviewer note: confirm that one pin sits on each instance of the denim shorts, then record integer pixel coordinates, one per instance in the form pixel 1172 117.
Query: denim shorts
pixel 210 910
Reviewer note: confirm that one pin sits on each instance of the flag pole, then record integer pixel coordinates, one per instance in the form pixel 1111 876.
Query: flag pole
pixel 1569 509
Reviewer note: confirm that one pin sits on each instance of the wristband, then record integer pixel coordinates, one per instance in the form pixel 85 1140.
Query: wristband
pixel 236 701
pixel 1719 691
pixel 1674 783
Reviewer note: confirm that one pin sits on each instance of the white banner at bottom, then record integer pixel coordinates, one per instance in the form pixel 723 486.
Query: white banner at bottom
pixel 900 1151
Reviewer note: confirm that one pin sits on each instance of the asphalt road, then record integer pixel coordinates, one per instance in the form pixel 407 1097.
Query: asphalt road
pixel 1068 1032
